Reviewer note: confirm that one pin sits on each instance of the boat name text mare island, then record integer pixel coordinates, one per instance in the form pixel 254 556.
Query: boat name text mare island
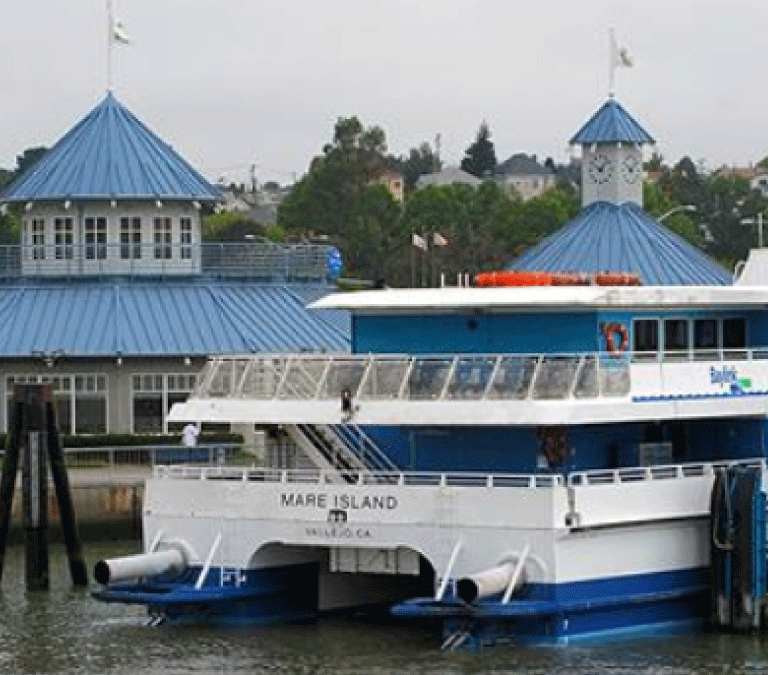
pixel 322 500
pixel 546 456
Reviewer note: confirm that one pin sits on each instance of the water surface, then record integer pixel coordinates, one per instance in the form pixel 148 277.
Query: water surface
pixel 65 631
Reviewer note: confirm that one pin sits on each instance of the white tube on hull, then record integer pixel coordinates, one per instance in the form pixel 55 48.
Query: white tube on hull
pixel 492 581
pixel 139 565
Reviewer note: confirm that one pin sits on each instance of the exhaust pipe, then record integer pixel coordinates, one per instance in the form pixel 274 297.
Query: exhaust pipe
pixel 492 581
pixel 173 559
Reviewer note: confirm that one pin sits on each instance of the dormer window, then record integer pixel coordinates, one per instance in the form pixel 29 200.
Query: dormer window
pixel 38 239
pixel 130 238
pixel 163 238
pixel 96 238
pixel 185 238
pixel 63 232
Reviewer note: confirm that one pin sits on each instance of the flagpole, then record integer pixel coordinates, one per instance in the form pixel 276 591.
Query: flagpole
pixel 611 62
pixel 110 24
pixel 413 262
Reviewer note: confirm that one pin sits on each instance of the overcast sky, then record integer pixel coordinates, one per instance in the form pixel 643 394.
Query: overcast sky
pixel 230 83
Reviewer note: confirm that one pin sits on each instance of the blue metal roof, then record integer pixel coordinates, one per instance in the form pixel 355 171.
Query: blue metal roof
pixel 611 124
pixel 623 238
pixel 110 154
pixel 165 318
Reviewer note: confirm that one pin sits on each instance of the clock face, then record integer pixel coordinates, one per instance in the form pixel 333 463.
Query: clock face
pixel 631 169
pixel 600 168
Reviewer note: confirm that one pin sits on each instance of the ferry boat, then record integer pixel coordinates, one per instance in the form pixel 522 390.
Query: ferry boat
pixel 538 463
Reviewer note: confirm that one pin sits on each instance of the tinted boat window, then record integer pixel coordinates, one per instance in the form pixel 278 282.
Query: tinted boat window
pixel 705 334
pixel 675 335
pixel 645 335
pixel 734 334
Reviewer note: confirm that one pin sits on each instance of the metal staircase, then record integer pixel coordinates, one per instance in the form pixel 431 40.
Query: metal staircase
pixel 344 448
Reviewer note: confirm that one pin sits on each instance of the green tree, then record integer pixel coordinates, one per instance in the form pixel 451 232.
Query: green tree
pixel 334 194
pixel 480 157
pixel 29 158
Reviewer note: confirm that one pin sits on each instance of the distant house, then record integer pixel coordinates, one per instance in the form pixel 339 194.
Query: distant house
pixel 393 180
pixel 760 183
pixel 747 172
pixel 449 176
pixel 524 173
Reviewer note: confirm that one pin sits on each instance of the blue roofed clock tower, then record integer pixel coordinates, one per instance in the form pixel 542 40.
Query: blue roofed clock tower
pixel 612 156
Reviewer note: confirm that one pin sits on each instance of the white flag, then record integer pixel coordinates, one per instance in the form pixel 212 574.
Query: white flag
pixel 621 56
pixel 418 241
pixel 439 240
pixel 119 34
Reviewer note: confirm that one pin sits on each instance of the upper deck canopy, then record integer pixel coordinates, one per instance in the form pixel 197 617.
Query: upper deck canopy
pixel 545 299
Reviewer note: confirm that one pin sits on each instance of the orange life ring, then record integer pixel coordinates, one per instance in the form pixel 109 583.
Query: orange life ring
pixel 610 332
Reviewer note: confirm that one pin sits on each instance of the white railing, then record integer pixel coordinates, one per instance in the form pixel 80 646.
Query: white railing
pixel 465 377
pixel 401 478
pixel 595 477
pixel 664 472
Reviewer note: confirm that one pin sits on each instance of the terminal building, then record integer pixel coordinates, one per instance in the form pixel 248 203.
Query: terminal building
pixel 112 296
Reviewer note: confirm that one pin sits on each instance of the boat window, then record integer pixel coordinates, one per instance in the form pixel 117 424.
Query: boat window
pixel 675 337
pixel 705 338
pixel 734 338
pixel 645 335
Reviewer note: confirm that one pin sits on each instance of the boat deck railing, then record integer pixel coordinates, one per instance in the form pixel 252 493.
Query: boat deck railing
pixel 459 377
pixel 597 477
pixel 323 477
pixel 464 377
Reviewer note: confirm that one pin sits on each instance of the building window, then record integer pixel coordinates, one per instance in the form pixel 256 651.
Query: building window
pixel 185 238
pixel 90 404
pixel 38 239
pixel 63 232
pixel 130 238
pixel 162 238
pixel 96 238
pixel 80 401
pixel 153 396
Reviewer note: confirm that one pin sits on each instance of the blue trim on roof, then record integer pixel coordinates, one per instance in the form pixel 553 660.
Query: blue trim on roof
pixel 110 154
pixel 611 124
pixel 165 318
pixel 623 238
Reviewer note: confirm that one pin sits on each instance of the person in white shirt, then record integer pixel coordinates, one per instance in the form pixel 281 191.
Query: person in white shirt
pixel 189 435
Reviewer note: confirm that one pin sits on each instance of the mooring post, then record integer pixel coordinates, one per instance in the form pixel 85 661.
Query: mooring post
pixel 8 480
pixel 34 481
pixel 77 568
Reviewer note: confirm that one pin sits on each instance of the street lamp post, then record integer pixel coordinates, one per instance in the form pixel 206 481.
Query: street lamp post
pixel 759 221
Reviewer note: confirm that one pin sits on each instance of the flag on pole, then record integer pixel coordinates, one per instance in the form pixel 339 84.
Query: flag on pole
pixel 621 56
pixel 119 34
pixel 439 240
pixel 418 241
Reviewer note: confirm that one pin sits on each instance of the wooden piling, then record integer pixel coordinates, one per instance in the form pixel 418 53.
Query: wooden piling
pixel 34 436
pixel 34 482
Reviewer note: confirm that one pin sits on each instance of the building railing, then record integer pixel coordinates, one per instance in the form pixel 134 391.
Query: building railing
pixel 108 463
pixel 482 377
pixel 252 260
